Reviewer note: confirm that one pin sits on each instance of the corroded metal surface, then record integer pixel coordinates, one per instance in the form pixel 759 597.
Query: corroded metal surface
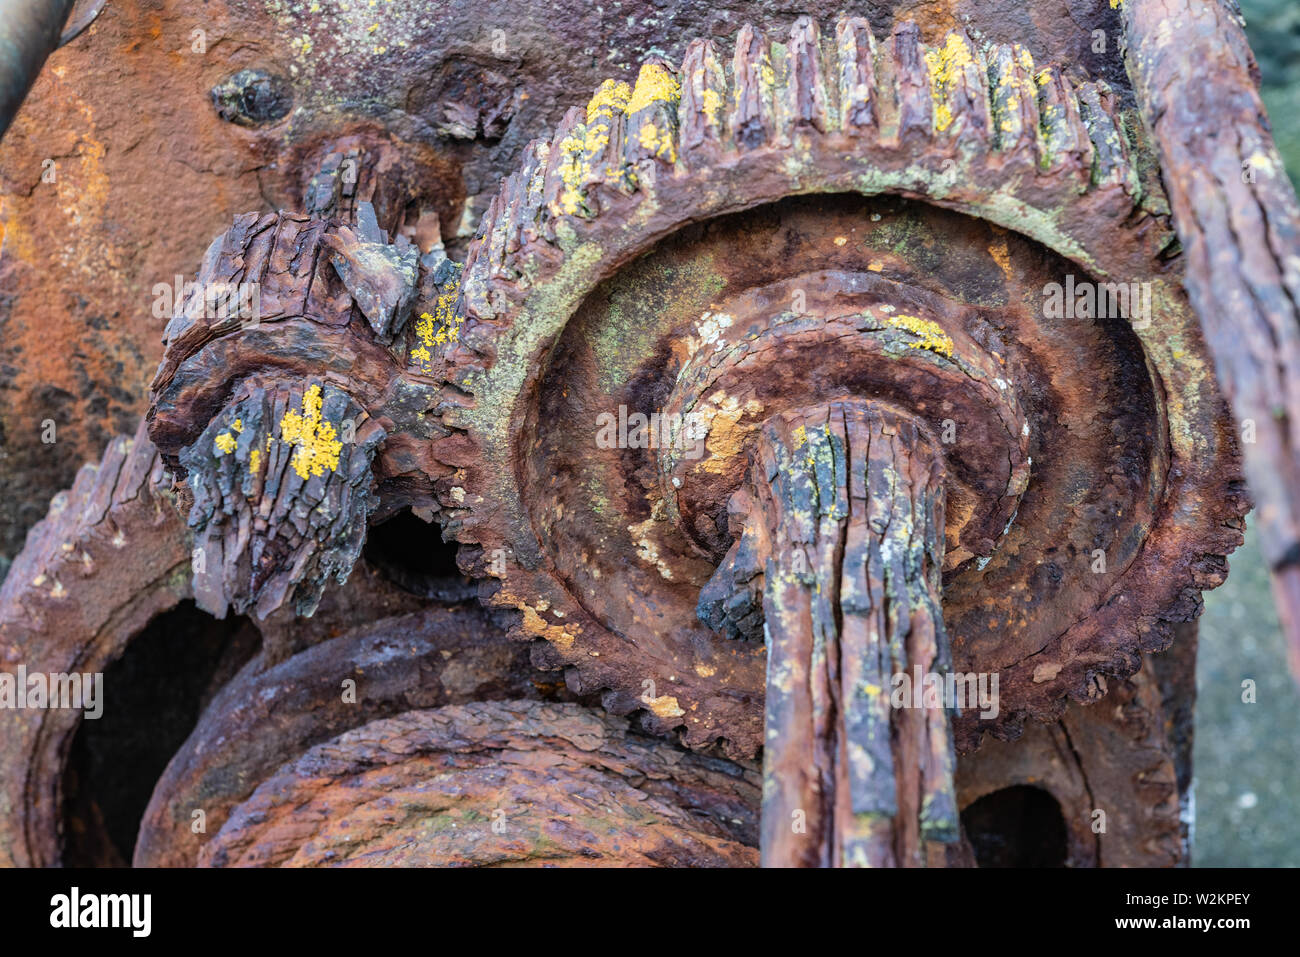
pixel 1239 223
pixel 865 214
pixel 513 783
pixel 147 171
pixel 845 512
pixel 792 120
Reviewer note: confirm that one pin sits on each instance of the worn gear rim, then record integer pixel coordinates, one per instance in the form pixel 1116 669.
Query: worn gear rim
pixel 603 192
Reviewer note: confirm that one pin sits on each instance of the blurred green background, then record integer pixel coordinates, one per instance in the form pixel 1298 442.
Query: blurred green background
pixel 1247 776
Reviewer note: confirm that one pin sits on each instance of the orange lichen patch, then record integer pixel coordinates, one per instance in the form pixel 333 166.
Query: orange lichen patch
pixel 725 439
pixel 535 624
pixel 998 250
pixel 316 444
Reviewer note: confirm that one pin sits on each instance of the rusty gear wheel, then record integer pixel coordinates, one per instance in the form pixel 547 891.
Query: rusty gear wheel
pixel 811 220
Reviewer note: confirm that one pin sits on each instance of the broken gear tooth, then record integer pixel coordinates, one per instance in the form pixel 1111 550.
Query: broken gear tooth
pixel 858 90
pixel 603 140
pixel 1063 139
pixel 752 119
pixel 652 123
pixel 565 195
pixel 912 85
pixel 1014 100
pixel 1111 164
pixel 806 94
pixel 704 96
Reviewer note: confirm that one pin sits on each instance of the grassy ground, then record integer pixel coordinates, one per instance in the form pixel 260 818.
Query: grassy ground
pixel 1247 780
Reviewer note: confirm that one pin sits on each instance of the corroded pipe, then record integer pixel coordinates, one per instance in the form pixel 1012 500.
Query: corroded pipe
pixel 30 31
pixel 844 538
pixel 1238 220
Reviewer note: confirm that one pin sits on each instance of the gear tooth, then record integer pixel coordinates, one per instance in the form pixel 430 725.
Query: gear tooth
pixel 506 205
pixel 856 48
pixel 475 280
pixel 959 89
pixel 752 119
pixel 480 338
pixel 602 156
pixel 704 96
pixel 1014 98
pixel 1111 165
pixel 806 92
pixel 652 125
pixel 563 190
pixel 515 192
pixel 1064 140
pixel 538 154
pixel 912 80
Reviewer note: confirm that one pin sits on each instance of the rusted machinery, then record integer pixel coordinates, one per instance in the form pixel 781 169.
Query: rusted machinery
pixel 757 423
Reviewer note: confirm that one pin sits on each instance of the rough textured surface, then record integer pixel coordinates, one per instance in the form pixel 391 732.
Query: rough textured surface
pixel 1239 223
pixel 586 204
pixel 111 554
pixel 1113 756
pixel 148 171
pixel 273 422
pixel 881 106
pixel 507 784
pixel 843 535
pixel 270 713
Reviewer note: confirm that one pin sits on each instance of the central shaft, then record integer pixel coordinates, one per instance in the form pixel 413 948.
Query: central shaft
pixel 838 562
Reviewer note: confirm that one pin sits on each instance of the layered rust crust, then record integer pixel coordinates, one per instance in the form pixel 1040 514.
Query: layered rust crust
pixel 1040 157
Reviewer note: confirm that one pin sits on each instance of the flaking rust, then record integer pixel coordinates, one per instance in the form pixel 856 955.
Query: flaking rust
pixel 732 384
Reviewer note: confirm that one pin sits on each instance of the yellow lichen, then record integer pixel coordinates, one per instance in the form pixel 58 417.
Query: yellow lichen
pixel 947 69
pixel 225 443
pixel 1011 88
pixel 665 706
pixel 711 105
pixel 657 143
pixel 315 442
pixel 930 333
pixel 439 327
pixel 254 460
pixel 611 98
pixel 654 84
pixel 571 174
